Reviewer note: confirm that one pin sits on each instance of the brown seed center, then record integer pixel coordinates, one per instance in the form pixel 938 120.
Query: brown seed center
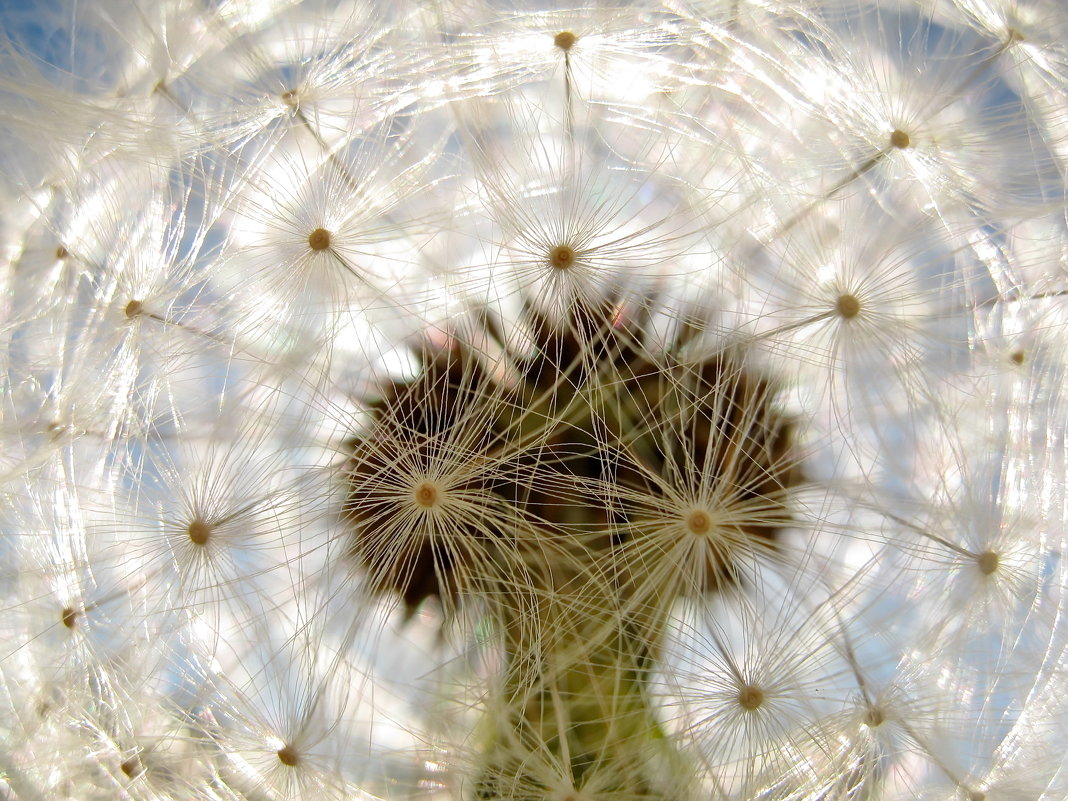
pixel 426 494
pixel 699 522
pixel 899 139
pixel 288 756
pixel 565 40
pixel 319 239
pixel 562 256
pixel 134 308
pixel 69 617
pixel 874 717
pixel 847 306
pixel 199 532
pixel 988 562
pixel 750 697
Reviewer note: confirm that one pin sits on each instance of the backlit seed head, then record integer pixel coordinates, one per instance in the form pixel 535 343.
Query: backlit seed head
pixel 562 256
pixel 199 532
pixel 133 309
pixel 847 306
pixel 751 697
pixel 565 40
pixel 319 239
pixel 988 562
pixel 899 139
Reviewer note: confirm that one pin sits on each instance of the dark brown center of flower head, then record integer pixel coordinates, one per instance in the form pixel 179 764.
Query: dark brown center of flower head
pixel 319 239
pixel 564 465
pixel 565 40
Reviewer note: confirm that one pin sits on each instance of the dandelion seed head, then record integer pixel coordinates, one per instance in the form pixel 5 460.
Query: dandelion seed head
pixel 651 428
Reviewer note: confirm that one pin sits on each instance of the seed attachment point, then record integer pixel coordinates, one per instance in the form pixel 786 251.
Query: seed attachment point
pixel 751 698
pixel 288 756
pixel 199 532
pixel 134 309
pixel 847 306
pixel 699 522
pixel 562 257
pixel 988 562
pixel 427 495
pixel 899 139
pixel 319 239
pixel 565 40
pixel 874 717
